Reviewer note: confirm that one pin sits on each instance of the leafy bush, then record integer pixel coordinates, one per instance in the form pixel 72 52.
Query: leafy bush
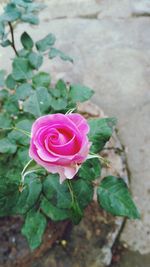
pixel 26 94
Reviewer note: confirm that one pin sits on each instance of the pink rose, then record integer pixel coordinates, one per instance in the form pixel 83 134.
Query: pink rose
pixel 59 143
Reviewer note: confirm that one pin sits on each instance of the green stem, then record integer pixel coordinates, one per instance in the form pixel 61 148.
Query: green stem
pixel 22 131
pixel 105 161
pixel 71 191
pixel 16 129
pixel 6 129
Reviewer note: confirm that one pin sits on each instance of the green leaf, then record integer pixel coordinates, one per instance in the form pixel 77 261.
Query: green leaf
pixel 45 43
pixel 56 192
pixel 11 105
pixel 23 91
pixel 31 106
pixel 21 69
pixel 5 121
pixel 55 92
pixel 2 29
pixel 10 82
pixel 44 99
pixel 23 53
pixel 41 79
pixel 100 132
pixel 62 88
pixel 35 7
pixel 59 104
pixel 35 60
pixel 8 196
pixel 79 93
pixel 2 75
pixel 7 147
pixel 76 212
pixel 22 3
pixel 3 95
pixel 83 192
pixel 23 155
pixel 56 52
pixel 6 43
pixel 53 212
pixel 38 103
pixel 27 41
pixel 11 13
pixel 30 18
pixel 29 196
pixel 19 137
pixel 60 96
pixel 114 197
pixel 34 228
pixel 24 125
pixel 90 169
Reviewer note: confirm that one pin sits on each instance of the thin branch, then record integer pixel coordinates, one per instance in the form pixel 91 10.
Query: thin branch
pixel 12 38
pixel 71 191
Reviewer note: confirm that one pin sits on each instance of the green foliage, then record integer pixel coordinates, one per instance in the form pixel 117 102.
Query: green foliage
pixel 53 212
pixel 23 156
pixel 38 103
pixel 27 93
pixel 22 70
pixel 114 197
pixel 11 13
pixel 28 198
pixel 2 75
pixel 6 146
pixel 6 43
pixel 59 104
pixel 2 29
pixel 41 79
pixel 62 201
pixel 30 167
pixel 35 60
pixel 57 199
pixel 19 137
pixel 46 43
pixel 3 95
pixel 90 169
pixel 23 91
pixel 20 10
pixel 5 121
pixel 56 192
pixel 10 82
pixel 80 93
pixel 34 227
pixel 26 41
pixel 11 105
pixel 83 192
pixel 56 52
pixel 100 132
pixel 8 196
pixel 30 18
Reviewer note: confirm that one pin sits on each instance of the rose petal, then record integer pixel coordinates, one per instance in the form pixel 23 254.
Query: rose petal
pixel 80 122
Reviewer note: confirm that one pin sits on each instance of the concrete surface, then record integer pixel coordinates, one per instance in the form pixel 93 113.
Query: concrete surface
pixel 110 42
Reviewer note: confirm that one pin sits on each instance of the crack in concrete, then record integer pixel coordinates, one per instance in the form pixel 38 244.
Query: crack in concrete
pixel 89 16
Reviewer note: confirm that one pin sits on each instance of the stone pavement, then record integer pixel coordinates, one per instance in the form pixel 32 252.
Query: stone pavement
pixel 110 43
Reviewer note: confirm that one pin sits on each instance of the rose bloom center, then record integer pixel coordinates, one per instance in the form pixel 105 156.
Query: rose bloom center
pixel 62 141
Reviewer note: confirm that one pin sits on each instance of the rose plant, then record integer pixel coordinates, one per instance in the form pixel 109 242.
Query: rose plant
pixel 49 153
